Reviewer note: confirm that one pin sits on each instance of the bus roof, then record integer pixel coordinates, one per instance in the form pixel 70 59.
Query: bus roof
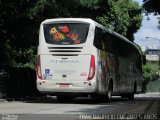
pixel 68 19
pixel 88 20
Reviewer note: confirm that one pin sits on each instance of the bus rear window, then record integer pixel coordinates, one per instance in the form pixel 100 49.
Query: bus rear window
pixel 66 33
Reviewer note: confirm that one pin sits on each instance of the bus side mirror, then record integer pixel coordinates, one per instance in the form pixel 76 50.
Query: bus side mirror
pixel 144 59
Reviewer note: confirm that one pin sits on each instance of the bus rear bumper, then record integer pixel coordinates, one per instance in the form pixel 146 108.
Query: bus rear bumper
pixel 76 88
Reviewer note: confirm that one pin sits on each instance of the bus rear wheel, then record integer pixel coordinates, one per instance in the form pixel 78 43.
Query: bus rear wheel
pixel 131 95
pixel 109 93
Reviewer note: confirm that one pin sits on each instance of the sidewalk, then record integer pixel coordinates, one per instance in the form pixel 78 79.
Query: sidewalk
pixel 150 94
pixel 155 93
pixel 3 100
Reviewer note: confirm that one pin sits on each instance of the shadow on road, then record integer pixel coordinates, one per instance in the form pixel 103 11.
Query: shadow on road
pixel 86 100
pixel 79 100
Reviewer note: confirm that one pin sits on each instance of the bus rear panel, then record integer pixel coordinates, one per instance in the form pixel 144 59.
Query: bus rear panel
pixel 65 63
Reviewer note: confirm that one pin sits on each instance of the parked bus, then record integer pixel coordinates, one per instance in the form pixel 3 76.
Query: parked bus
pixel 79 57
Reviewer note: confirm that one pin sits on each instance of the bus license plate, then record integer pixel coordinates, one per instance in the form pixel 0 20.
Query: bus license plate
pixel 64 85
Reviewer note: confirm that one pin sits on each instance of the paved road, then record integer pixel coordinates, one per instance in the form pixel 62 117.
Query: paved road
pixel 143 107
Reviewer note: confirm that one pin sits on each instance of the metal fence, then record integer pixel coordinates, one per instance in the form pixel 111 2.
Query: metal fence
pixel 18 82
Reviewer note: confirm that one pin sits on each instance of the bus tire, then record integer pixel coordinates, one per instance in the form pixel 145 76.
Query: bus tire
pixel 131 96
pixel 109 92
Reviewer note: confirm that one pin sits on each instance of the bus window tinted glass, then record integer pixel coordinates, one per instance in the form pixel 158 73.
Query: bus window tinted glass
pixel 66 33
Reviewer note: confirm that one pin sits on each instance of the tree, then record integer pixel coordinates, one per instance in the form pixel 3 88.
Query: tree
pixel 20 22
pixel 18 32
pixel 123 16
pixel 152 6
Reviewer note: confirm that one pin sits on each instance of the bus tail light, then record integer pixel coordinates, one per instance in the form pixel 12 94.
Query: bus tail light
pixel 38 69
pixel 92 68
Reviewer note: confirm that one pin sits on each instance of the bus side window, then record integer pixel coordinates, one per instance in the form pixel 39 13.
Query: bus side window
pixel 134 69
pixel 108 41
pixel 99 39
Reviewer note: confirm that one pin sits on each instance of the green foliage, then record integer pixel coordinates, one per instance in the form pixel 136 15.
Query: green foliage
pixel 122 16
pixel 24 58
pixel 18 32
pixel 150 72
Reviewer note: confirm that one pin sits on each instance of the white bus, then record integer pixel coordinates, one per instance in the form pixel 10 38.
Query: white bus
pixel 79 57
